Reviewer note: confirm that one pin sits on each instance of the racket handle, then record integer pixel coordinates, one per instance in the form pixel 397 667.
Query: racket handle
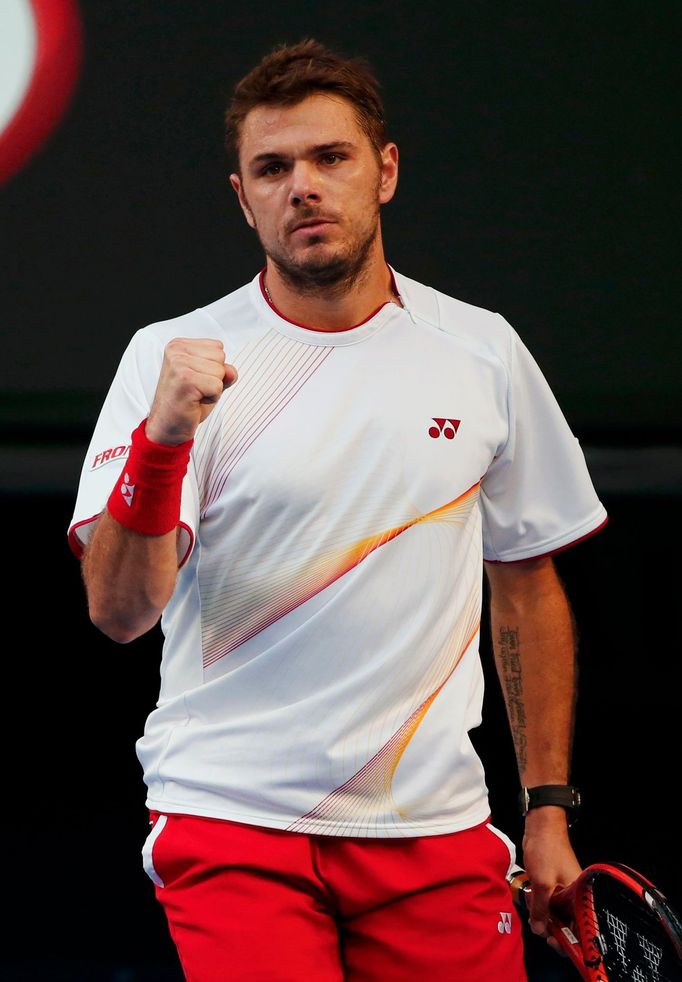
pixel 520 886
pixel 560 902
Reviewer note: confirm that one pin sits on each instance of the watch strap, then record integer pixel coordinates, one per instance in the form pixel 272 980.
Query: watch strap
pixel 564 795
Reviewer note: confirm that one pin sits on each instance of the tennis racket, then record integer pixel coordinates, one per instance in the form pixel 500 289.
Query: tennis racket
pixel 613 924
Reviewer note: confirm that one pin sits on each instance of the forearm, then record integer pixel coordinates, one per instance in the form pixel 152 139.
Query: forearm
pixel 534 644
pixel 130 565
pixel 535 653
pixel 129 578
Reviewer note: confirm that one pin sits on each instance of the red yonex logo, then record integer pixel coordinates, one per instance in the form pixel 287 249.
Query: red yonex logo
pixel 445 427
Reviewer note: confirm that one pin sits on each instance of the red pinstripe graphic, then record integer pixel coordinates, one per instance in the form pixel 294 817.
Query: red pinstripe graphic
pixel 270 377
pixel 260 366
pixel 262 384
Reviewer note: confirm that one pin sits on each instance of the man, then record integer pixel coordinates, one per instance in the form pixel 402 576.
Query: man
pixel 314 469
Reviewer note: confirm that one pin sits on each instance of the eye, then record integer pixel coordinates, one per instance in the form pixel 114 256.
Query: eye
pixel 331 158
pixel 271 170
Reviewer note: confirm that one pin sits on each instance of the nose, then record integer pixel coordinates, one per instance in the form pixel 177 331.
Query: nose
pixel 304 184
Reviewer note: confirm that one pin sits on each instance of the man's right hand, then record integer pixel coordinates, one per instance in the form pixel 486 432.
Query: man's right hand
pixel 194 375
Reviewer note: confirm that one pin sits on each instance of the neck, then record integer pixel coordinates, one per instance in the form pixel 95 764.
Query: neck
pixel 330 309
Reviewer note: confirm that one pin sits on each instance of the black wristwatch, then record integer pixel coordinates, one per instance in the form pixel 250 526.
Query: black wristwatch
pixel 564 795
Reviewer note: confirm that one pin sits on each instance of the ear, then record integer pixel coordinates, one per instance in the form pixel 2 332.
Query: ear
pixel 389 173
pixel 236 182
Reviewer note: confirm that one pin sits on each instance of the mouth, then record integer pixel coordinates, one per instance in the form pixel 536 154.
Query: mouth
pixel 312 226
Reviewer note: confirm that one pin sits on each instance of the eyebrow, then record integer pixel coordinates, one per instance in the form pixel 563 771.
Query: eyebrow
pixel 319 148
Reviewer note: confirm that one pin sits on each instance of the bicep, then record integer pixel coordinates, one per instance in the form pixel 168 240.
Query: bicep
pixel 526 578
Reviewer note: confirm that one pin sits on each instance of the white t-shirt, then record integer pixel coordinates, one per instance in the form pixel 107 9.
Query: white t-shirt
pixel 320 667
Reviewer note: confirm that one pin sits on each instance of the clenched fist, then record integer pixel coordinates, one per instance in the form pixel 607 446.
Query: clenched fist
pixel 194 375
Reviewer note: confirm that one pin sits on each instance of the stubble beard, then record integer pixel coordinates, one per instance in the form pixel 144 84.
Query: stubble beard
pixel 334 275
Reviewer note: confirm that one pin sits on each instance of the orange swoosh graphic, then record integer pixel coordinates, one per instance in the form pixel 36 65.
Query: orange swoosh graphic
pixel 368 793
pixel 264 601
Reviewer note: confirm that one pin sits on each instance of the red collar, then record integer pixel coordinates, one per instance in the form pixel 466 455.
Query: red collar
pixel 324 330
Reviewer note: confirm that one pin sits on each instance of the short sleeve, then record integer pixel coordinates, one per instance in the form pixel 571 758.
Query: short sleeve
pixel 537 497
pixel 126 404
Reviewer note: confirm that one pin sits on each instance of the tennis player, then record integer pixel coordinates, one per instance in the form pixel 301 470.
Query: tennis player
pixel 305 479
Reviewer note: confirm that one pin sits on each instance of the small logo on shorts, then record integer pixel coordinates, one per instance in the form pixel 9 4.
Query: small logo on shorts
pixel 504 924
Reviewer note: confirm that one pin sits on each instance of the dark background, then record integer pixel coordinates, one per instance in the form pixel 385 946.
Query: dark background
pixel 538 178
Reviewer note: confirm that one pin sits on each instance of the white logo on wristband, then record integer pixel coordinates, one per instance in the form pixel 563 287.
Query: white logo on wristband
pixel 127 490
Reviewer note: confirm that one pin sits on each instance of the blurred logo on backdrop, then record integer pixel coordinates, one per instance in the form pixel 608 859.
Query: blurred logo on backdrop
pixel 41 43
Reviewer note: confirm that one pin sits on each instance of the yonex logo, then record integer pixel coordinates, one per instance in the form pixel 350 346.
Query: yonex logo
pixel 504 925
pixel 445 427
pixel 127 490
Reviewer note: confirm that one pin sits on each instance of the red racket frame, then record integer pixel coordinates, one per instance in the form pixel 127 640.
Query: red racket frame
pixel 574 922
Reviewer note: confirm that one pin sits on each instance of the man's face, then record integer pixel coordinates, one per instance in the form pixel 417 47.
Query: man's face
pixel 311 185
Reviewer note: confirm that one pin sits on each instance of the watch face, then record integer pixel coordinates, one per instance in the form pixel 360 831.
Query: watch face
pixel 40 58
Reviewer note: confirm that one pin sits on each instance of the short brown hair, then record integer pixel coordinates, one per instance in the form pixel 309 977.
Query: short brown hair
pixel 290 73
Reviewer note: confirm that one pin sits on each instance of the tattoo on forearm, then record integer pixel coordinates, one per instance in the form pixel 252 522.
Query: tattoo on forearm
pixel 512 681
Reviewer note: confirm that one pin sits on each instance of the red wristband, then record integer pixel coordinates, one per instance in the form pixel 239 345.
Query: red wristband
pixel 146 497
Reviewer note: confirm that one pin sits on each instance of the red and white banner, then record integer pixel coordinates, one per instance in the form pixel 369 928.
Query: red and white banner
pixel 41 43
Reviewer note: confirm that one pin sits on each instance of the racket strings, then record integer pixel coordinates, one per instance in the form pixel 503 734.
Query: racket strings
pixel 651 954
pixel 635 945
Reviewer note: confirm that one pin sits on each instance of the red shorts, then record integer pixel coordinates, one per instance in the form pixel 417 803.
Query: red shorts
pixel 262 905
